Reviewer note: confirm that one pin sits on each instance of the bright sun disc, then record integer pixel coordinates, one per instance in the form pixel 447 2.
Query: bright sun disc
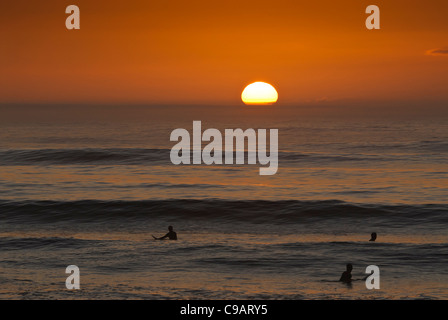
pixel 259 93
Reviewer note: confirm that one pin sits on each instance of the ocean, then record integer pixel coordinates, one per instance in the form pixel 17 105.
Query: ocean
pixel 92 193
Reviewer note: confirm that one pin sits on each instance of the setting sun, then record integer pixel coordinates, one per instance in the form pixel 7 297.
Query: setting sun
pixel 259 93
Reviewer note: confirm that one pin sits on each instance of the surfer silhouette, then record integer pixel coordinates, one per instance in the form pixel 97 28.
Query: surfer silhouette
pixel 373 236
pixel 171 235
pixel 347 275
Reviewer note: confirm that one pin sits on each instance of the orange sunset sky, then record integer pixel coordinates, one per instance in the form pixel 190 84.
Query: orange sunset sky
pixel 206 52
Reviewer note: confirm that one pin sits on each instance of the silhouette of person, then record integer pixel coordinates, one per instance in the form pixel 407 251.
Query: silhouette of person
pixel 170 235
pixel 347 275
pixel 373 236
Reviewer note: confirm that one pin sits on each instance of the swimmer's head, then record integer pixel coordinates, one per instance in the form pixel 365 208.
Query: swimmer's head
pixel 373 236
pixel 170 228
pixel 349 267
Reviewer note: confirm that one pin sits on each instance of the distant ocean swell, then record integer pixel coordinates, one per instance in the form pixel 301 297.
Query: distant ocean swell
pixel 141 156
pixel 255 211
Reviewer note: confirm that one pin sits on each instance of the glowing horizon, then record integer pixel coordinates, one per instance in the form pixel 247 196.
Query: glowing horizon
pixel 187 53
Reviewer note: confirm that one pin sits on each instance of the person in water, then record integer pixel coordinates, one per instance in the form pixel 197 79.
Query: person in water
pixel 373 236
pixel 347 275
pixel 170 235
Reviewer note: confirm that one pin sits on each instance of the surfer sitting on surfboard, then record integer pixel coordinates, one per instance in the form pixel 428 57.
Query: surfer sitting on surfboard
pixel 347 275
pixel 170 235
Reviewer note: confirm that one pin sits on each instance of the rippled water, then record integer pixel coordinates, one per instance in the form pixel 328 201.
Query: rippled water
pixel 93 193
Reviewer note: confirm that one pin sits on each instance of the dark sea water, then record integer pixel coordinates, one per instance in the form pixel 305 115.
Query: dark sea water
pixel 91 194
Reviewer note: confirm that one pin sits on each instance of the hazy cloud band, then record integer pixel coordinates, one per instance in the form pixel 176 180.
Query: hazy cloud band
pixel 438 52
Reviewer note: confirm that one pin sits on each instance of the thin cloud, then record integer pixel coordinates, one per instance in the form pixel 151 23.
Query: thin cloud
pixel 438 52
